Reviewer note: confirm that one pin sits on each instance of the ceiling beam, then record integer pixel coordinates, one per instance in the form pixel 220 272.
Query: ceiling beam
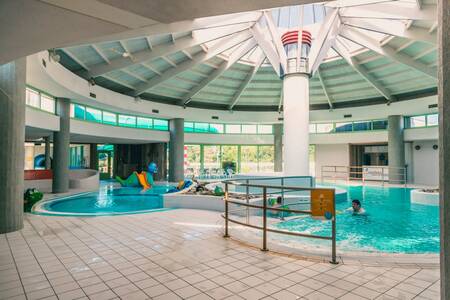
pixel 345 54
pixel 234 57
pixel 322 83
pixel 220 46
pixel 165 49
pixel 73 57
pixel 276 39
pixel 267 47
pixel 246 81
pixel 393 10
pixel 101 54
pixel 362 39
pixel 118 81
pixel 392 27
pixel 324 40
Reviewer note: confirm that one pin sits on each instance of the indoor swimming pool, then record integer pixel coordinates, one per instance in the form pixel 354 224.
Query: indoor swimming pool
pixel 107 201
pixel 391 224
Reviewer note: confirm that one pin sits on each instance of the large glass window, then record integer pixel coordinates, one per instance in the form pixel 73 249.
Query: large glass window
pixel 127 121
pixel 232 128
pixel 93 114
pixel 32 98
pixel 216 128
pixel 433 120
pixel 312 128
pixel 379 125
pixel 324 127
pixel 266 159
pixel 78 111
pixel 193 160
pixel 249 129
pixel 212 159
pixel 249 159
pixel 201 127
pixel 417 121
pixel 47 103
pixel 344 127
pixel 160 124
pixel 109 118
pixel 188 126
pixel 230 158
pixel 146 123
pixel 361 126
pixel 265 129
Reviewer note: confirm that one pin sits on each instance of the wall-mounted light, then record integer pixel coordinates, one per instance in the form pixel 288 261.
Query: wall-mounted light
pixel 417 147
pixel 52 55
pixel 435 147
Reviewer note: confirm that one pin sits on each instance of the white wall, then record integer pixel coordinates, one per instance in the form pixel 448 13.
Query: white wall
pixel 426 163
pixel 331 155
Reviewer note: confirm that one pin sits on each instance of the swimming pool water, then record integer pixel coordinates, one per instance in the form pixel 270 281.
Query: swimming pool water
pixel 392 224
pixel 108 201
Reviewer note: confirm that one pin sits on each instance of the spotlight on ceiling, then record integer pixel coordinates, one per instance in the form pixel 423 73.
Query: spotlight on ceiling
pixel 126 54
pixel 53 55
pixel 91 81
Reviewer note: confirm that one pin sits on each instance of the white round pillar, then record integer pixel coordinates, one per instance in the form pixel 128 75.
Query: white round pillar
pixel 296 124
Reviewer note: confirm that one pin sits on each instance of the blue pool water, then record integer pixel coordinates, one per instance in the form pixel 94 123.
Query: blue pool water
pixel 392 224
pixel 107 201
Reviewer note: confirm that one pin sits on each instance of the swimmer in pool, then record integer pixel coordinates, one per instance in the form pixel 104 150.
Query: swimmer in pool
pixel 356 208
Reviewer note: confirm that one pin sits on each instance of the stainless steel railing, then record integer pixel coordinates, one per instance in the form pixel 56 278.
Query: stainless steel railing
pixel 264 208
pixel 383 174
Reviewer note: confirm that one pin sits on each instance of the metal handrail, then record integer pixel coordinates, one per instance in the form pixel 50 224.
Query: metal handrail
pixel 361 172
pixel 265 208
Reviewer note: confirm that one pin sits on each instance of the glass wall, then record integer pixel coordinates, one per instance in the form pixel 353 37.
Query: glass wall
pixel 338 127
pixel 201 127
pixel 211 160
pixel 422 121
pixel 39 100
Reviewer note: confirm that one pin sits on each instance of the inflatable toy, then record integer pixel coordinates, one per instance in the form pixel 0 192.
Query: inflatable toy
pixel 143 179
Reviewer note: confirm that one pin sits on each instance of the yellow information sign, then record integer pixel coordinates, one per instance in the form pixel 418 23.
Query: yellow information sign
pixel 322 203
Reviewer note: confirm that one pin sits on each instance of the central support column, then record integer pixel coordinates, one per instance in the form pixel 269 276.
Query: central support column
pixel 176 150
pixel 396 149
pixel 93 157
pixel 278 147
pixel 12 144
pixel 61 147
pixel 296 124
pixel 48 160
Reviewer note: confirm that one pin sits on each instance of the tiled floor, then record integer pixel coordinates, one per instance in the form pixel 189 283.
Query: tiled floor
pixel 179 254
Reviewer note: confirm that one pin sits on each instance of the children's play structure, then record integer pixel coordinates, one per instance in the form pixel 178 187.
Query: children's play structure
pixel 143 179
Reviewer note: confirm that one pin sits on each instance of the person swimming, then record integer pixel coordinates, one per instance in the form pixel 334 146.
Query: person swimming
pixel 356 208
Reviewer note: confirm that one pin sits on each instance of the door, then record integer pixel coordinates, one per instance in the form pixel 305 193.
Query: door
pixel 105 159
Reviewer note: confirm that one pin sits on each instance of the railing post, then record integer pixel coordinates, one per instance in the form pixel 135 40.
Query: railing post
pixel 333 234
pixel 247 200
pixel 264 247
pixel 382 176
pixel 282 196
pixel 226 211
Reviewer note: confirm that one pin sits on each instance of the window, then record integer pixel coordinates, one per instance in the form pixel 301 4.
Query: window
pixel 47 103
pixel 433 120
pixel 312 128
pixel 379 125
pixel 266 159
pixel 324 127
pixel 265 129
pixel 361 126
pixel 249 129
pixel 188 126
pixel 32 98
pixel 201 127
pixel 344 127
pixel 229 157
pixel 249 159
pixel 193 163
pixel 93 115
pixel 109 118
pixel 211 155
pixel 146 123
pixel 127 121
pixel 232 128
pixel 160 124
pixel 216 128
pixel 78 112
pixel 417 121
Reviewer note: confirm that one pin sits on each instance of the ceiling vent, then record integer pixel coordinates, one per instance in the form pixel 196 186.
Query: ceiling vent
pixel 433 106
pixel 92 95
pixel 155 111
pixel 280 119
pixel 215 117
pixel 44 63
pixel 348 116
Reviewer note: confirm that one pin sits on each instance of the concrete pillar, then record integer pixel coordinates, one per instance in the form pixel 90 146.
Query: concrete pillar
pixel 443 67
pixel 396 149
pixel 176 150
pixel 61 147
pixel 278 147
pixel 48 160
pixel 93 157
pixel 12 149
pixel 296 124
